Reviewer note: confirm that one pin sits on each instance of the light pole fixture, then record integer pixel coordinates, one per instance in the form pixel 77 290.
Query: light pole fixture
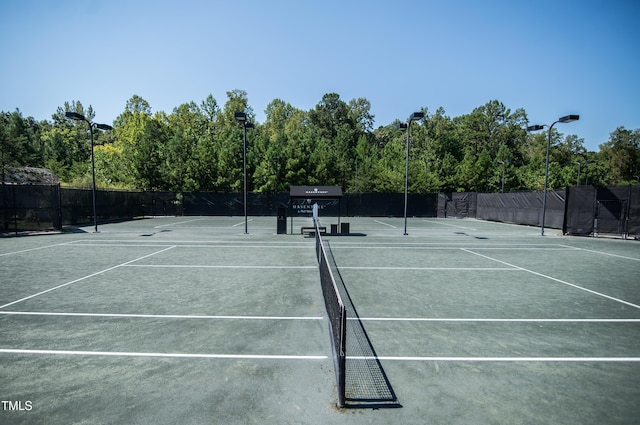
pixel 79 117
pixel 413 117
pixel 242 118
pixel 565 119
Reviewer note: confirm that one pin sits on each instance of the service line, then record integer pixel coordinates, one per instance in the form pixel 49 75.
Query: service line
pixel 84 278
pixel 503 359
pixel 600 294
pixel 162 355
pixel 157 316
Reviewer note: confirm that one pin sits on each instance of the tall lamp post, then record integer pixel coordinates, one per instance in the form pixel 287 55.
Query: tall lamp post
pixel 579 165
pixel 242 118
pixel 503 163
pixel 79 117
pixel 565 119
pixel 413 117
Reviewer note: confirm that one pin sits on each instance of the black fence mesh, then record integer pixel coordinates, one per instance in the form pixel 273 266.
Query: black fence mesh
pixel 523 208
pixel 613 210
pixel 584 210
pixel 580 210
pixel 111 205
pixel 633 214
pixel 389 204
pixel 457 205
pixel 26 208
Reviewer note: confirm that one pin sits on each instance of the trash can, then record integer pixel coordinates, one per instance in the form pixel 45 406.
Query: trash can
pixel 334 229
pixel 344 228
pixel 282 219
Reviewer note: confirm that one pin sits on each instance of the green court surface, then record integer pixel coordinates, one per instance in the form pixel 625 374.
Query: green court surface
pixel 188 320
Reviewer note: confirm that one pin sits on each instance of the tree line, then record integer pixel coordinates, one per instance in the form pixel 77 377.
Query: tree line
pixel 199 147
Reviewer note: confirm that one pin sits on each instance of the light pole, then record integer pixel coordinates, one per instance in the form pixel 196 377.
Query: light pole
pixel 242 118
pixel 579 164
pixel 426 175
pixel 565 119
pixel 79 117
pixel 578 179
pixel 413 117
pixel 503 163
pixel 276 164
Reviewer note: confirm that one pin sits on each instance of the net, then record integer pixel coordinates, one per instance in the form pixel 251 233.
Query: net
pixel 362 381
pixel 336 312
pixel 366 383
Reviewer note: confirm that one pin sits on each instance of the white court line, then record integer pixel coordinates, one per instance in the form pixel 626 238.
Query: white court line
pixel 451 225
pixel 163 355
pixel 242 222
pixel 156 316
pixel 197 266
pixel 187 243
pixel 526 248
pixel 386 224
pixel 475 320
pixel 35 249
pixel 179 222
pixel 452 246
pixel 307 246
pixel 554 279
pixel 445 245
pixel 137 244
pixel 605 253
pixel 503 359
pixel 154 244
pixel 83 278
pixel 430 268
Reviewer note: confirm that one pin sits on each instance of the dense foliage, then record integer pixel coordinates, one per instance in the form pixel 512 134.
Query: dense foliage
pixel 200 148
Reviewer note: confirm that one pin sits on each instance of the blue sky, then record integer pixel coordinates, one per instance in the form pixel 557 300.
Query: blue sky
pixel 551 58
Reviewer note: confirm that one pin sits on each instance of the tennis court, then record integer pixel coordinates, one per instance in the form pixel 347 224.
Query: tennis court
pixel 189 320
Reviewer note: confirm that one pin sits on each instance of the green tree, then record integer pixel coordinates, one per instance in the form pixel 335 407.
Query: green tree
pixel 149 157
pixel 621 156
pixel 205 154
pixel 391 168
pixel 67 143
pixel 129 130
pixel 491 126
pixel 447 174
pixel 270 146
pixel 367 157
pixel 13 139
pixel 189 129
pixel 360 114
pixel 335 136
pixel 229 143
pixel 298 149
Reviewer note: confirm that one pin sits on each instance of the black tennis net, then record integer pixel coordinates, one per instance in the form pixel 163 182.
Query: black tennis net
pixel 337 314
pixel 366 383
pixel 362 381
